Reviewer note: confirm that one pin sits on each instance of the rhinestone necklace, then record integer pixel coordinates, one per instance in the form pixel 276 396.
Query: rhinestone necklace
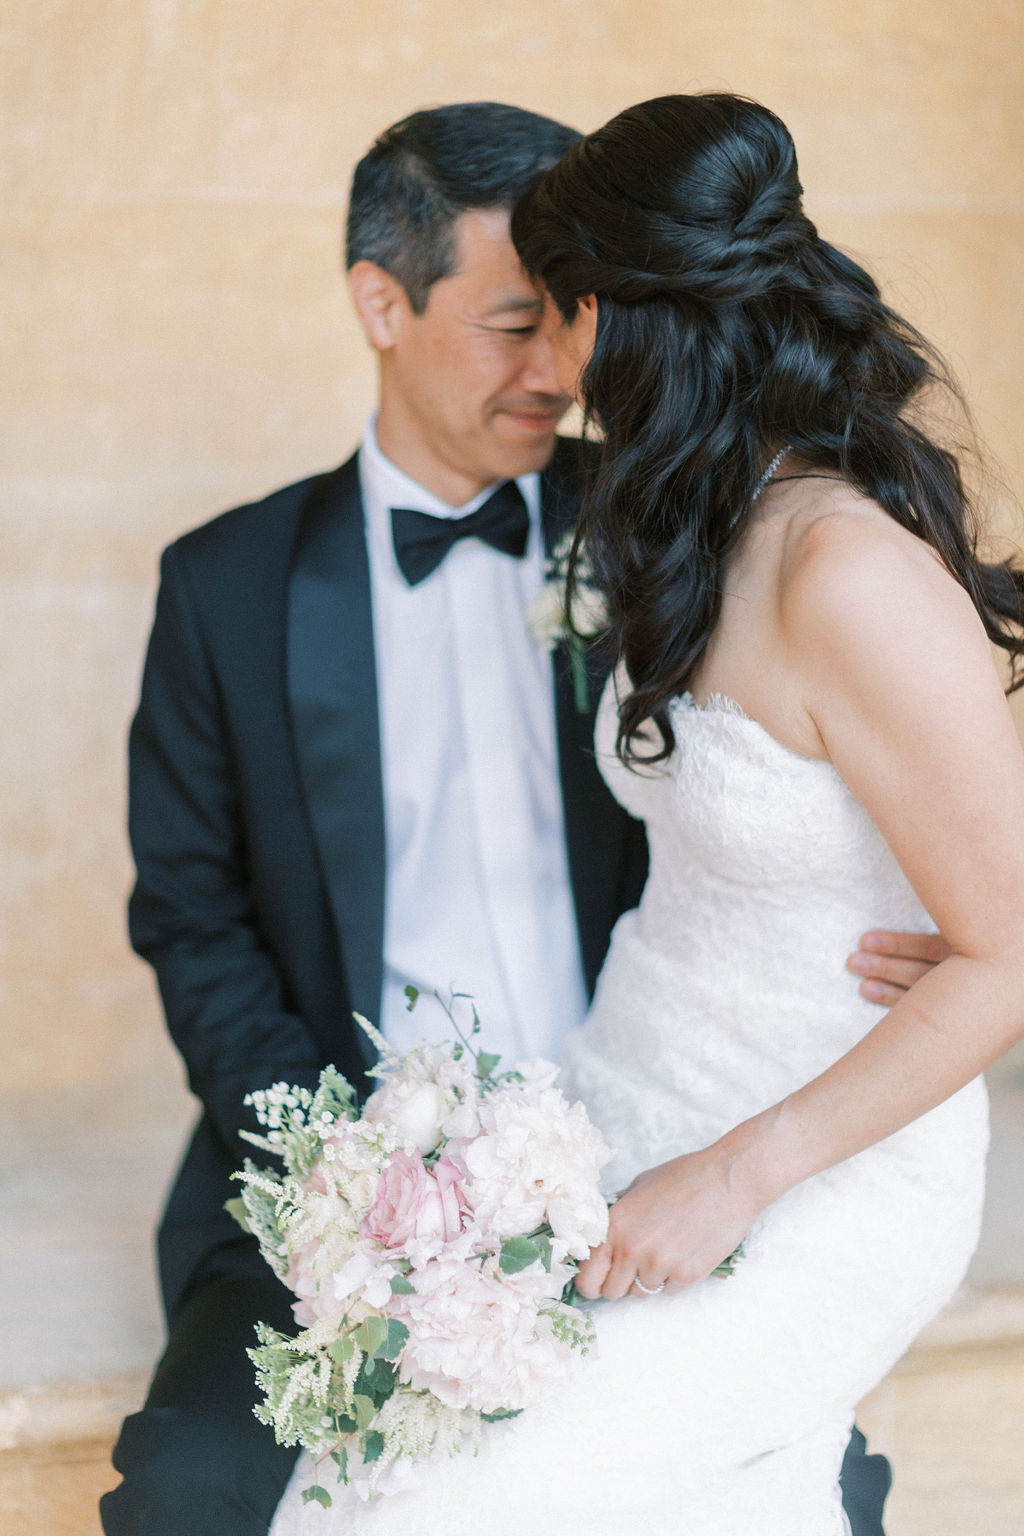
pixel 769 473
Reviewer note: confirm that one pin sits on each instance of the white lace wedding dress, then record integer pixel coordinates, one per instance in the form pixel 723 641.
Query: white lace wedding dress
pixel 725 1410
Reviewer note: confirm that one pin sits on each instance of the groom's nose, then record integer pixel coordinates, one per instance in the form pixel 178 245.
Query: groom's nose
pixel 538 373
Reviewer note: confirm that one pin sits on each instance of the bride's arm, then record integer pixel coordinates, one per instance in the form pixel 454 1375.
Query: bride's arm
pixel 899 682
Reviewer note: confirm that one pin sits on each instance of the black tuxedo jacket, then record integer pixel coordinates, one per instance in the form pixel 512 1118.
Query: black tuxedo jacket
pixel 257 816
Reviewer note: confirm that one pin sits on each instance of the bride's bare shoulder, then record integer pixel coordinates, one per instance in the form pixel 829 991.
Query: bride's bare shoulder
pixel 844 563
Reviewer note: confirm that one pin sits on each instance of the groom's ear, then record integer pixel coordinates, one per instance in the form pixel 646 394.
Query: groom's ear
pixel 380 302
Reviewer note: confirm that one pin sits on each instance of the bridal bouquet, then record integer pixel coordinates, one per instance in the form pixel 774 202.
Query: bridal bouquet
pixel 431 1241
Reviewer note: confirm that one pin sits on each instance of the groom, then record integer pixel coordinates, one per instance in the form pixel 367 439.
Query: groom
pixel 353 770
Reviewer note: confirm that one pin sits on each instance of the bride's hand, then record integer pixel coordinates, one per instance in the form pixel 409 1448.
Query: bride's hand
pixel 674 1224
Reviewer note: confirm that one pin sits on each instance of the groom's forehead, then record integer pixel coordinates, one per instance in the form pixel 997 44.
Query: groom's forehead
pixel 485 260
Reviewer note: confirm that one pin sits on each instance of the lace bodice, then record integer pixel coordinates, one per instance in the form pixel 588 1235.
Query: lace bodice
pixel 765 871
pixel 734 810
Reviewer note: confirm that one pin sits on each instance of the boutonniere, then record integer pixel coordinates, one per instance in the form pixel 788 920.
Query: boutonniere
pixel 551 623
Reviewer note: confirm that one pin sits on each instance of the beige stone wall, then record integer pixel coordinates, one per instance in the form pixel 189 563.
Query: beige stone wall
pixel 177 337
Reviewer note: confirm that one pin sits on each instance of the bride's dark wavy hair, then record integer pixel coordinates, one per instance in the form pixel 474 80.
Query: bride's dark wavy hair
pixel 727 327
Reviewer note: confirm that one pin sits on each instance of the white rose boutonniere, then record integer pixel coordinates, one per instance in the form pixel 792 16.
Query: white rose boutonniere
pixel 551 623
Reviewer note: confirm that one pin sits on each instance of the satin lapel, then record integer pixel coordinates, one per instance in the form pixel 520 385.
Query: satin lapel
pixel 332 688
pixel 591 833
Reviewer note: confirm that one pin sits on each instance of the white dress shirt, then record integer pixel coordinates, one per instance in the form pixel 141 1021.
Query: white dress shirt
pixel 478 894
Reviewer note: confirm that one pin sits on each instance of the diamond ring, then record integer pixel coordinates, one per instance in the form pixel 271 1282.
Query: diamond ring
pixel 641 1287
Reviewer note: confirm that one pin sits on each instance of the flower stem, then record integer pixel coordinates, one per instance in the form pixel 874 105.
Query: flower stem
pixel 580 683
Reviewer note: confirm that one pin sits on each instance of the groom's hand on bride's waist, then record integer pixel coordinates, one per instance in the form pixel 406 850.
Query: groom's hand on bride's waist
pixel 890 963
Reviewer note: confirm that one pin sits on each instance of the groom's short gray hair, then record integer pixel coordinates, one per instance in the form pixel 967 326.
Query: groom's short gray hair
pixel 424 171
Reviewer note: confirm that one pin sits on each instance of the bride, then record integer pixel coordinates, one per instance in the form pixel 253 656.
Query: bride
pixel 806 715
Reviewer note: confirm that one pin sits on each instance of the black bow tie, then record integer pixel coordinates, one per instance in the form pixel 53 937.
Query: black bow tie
pixel 421 541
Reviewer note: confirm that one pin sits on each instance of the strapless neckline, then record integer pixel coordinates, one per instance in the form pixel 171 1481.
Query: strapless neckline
pixel 723 704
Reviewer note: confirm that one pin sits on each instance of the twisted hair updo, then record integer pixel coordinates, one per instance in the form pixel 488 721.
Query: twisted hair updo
pixel 727 328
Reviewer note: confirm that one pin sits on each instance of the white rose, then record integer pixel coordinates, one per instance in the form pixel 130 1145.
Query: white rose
pixel 463 1121
pixel 413 1111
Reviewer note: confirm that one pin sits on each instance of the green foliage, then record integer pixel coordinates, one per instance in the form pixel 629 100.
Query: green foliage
pixel 398 1337
pixel 235 1207
pixel 263 1199
pixel 315 1494
pixel 543 1242
pixel 372 1445
pixel 400 1286
pixel 295 1383
pixel 485 1064
pixel 371 1334
pixel 728 1266
pixel 518 1253
pixel 499 1414
pixel 571 1325
pixel 412 995
pixel 377 1380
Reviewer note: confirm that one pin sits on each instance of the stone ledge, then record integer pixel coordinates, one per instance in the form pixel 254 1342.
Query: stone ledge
pixel 975 1319
pixel 67 1413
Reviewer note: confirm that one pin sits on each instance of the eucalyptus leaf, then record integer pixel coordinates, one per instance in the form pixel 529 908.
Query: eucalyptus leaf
pixel 236 1207
pixel 365 1409
pixel 340 1459
pixel 371 1334
pixel 316 1494
pixel 373 1445
pixel 377 1379
pixel 398 1337
pixel 400 1286
pixel 518 1253
pixel 341 1350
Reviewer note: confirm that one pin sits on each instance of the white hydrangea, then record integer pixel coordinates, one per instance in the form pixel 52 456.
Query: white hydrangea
pixel 478 1338
pixel 537 1158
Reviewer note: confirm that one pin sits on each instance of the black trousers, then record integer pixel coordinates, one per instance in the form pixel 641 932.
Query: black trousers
pixel 196 1462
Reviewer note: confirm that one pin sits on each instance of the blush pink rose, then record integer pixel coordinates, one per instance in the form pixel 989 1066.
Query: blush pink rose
pixel 414 1203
